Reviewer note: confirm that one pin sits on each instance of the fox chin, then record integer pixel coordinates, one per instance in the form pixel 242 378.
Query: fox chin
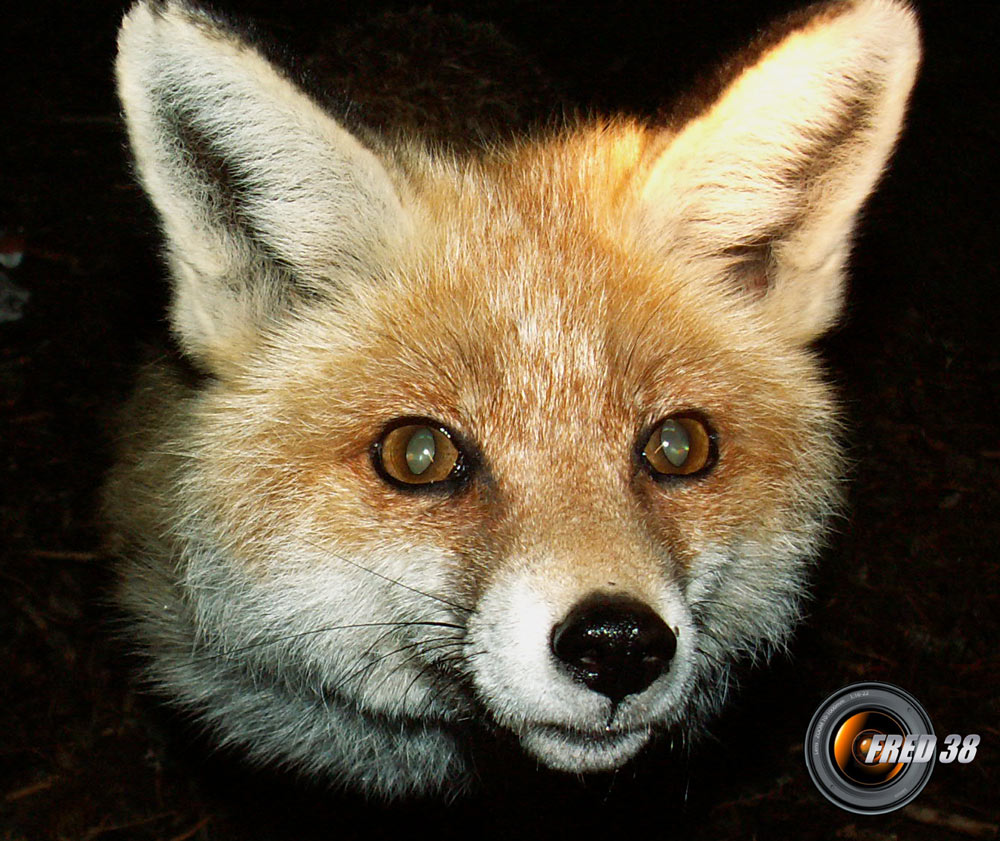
pixel 529 433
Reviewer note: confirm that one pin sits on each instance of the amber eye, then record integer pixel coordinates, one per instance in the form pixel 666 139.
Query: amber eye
pixel 418 454
pixel 679 446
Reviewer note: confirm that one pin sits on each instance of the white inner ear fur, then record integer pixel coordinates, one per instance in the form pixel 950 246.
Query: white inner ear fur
pixel 783 160
pixel 249 177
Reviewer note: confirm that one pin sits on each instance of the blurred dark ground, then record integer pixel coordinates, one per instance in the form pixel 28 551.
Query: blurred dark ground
pixel 907 593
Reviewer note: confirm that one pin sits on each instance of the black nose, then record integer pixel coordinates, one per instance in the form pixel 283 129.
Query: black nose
pixel 616 645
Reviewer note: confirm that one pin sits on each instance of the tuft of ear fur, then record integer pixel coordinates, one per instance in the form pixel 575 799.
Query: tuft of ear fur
pixel 763 187
pixel 262 195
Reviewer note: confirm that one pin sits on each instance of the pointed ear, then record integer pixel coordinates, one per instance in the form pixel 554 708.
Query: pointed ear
pixel 763 187
pixel 261 194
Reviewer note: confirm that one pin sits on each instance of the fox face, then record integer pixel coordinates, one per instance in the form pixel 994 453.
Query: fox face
pixel 531 437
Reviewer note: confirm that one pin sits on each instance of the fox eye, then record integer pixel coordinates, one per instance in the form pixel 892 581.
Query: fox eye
pixel 679 446
pixel 417 454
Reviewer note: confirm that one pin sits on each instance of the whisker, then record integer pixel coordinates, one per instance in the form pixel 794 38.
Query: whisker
pixel 324 630
pixel 370 650
pixel 409 646
pixel 445 644
pixel 422 646
pixel 372 664
pixel 363 568
pixel 430 696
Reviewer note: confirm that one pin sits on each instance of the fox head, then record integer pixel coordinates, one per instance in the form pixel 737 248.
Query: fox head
pixel 533 436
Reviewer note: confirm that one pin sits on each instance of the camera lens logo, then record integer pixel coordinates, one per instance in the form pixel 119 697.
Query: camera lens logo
pixel 870 748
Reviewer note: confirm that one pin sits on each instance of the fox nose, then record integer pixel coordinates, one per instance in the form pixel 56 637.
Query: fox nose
pixel 616 645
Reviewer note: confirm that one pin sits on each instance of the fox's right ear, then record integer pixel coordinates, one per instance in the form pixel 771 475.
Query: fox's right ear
pixel 262 195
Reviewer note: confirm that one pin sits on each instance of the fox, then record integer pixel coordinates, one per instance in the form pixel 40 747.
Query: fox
pixel 523 436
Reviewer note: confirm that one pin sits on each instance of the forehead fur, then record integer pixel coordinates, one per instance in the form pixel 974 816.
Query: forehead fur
pixel 528 319
pixel 526 285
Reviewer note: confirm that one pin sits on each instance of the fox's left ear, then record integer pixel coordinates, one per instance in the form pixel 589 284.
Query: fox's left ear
pixel 763 186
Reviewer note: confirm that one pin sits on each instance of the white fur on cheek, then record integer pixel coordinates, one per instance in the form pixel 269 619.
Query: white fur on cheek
pixel 353 632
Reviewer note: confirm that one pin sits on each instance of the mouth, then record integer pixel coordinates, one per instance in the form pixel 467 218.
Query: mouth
pixel 582 751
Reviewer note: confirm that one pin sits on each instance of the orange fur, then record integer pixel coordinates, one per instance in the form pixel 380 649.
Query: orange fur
pixel 549 303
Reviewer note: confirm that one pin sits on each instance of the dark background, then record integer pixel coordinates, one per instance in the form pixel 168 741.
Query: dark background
pixel 906 593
